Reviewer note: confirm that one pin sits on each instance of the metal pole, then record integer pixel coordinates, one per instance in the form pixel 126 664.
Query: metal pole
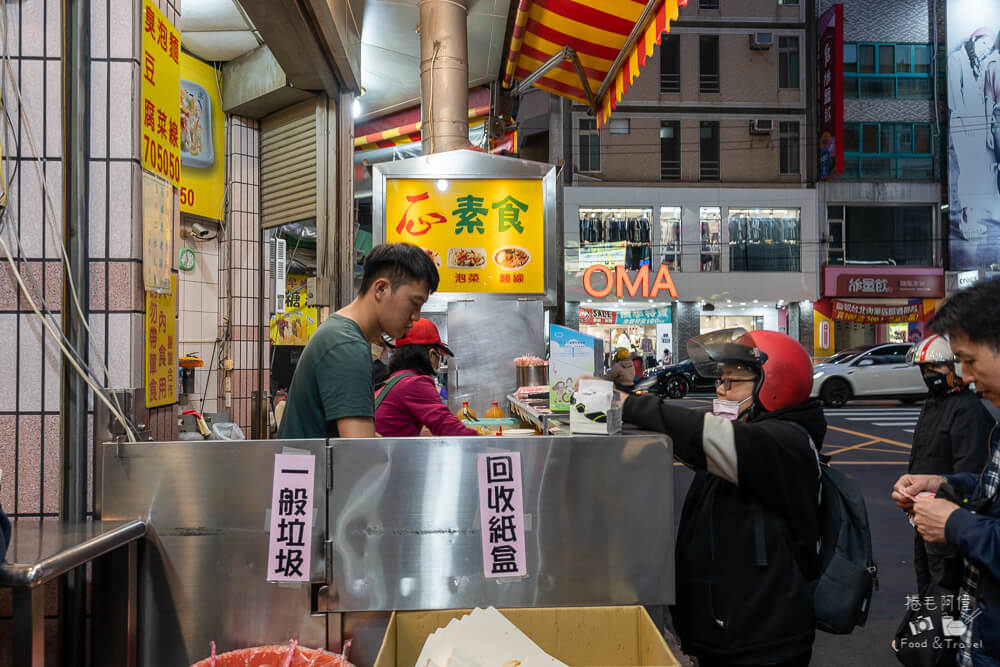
pixel 74 399
pixel 444 75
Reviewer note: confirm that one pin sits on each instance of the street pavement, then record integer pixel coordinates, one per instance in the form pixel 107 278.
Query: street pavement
pixel 870 442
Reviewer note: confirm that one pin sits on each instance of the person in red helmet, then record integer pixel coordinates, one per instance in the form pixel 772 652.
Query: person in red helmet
pixel 749 531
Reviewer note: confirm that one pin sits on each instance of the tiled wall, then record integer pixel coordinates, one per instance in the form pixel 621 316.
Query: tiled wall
pixel 241 271
pixel 29 404
pixel 198 319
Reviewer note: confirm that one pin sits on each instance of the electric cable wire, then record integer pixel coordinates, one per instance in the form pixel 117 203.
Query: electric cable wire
pixel 57 236
pixel 65 350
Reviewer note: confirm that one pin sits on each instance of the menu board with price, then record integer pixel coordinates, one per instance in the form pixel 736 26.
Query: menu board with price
pixel 484 235
pixel 161 81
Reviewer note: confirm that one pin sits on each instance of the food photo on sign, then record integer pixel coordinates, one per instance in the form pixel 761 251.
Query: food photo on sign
pixel 202 139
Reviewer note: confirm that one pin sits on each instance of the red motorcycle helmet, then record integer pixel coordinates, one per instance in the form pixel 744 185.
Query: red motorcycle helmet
pixel 782 363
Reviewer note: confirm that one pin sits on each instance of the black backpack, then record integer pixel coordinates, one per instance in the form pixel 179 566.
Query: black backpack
pixel 848 576
pixel 842 593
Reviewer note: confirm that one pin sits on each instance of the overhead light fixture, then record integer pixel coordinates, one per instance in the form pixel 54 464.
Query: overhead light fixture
pixel 755 300
pixel 356 108
pixel 441 184
pixel 743 303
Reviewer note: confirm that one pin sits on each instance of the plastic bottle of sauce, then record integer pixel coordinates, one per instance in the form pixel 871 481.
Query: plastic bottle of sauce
pixel 465 413
pixel 495 412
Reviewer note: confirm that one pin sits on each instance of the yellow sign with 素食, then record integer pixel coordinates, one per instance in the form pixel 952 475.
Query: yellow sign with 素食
pixel 160 109
pixel 484 235
pixel 202 140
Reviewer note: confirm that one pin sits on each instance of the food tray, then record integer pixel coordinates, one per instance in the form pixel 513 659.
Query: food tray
pixel 206 157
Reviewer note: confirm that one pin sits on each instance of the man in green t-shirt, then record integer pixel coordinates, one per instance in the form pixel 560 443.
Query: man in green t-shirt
pixel 331 393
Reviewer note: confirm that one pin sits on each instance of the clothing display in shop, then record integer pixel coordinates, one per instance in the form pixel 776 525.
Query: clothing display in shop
pixel 759 243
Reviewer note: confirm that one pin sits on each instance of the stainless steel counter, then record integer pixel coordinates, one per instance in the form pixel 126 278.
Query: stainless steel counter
pixel 43 549
pixel 399 529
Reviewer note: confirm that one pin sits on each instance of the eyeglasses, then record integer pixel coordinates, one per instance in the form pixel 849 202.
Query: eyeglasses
pixel 727 383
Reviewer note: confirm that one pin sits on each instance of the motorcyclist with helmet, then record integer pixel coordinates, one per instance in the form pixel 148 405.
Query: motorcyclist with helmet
pixel 951 435
pixel 747 542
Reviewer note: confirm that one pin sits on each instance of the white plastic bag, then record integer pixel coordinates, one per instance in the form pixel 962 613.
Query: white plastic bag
pixel 226 431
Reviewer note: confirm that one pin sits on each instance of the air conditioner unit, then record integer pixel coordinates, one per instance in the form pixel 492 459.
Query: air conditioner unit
pixel 761 126
pixel 761 41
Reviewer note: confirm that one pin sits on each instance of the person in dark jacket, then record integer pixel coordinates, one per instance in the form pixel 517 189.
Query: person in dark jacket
pixel 971 320
pixel 950 436
pixel 747 542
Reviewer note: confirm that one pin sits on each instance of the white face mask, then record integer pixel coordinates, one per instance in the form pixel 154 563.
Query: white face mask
pixel 730 410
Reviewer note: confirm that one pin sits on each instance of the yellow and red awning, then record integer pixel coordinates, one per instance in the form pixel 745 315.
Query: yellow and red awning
pixel 410 132
pixel 598 30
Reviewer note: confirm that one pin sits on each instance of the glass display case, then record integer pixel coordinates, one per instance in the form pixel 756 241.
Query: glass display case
pixel 670 236
pixel 764 239
pixel 615 236
pixel 710 218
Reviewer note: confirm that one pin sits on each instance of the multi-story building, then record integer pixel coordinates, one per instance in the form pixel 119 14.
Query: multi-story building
pixel 705 167
pixel 881 218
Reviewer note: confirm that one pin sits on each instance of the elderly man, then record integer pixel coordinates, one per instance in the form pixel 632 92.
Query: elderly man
pixel 971 320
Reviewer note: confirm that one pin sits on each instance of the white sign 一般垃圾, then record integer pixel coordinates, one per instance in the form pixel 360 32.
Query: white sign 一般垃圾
pixel 290 542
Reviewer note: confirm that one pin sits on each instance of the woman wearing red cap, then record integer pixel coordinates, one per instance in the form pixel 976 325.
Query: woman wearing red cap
pixel 409 400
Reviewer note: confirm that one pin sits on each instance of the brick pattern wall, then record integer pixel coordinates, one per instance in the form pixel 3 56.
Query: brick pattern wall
pixel 889 20
pixel 29 404
pixel 687 325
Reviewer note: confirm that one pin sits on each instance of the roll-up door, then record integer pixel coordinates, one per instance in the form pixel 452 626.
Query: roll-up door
pixel 288 164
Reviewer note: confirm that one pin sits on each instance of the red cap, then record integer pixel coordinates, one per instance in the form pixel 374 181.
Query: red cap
pixel 424 333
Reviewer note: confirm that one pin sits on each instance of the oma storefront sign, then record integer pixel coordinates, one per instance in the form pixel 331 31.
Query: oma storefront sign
pixel 617 280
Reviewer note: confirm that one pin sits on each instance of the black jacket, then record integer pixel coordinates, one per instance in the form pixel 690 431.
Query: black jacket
pixel 742 596
pixel 951 435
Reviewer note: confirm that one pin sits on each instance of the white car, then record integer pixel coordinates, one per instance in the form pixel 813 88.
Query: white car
pixel 871 371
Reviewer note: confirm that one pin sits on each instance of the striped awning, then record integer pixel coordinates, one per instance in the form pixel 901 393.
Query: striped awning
pixel 598 31
pixel 405 134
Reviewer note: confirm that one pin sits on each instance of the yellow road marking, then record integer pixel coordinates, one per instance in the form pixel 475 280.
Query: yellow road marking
pixel 844 449
pixel 869 435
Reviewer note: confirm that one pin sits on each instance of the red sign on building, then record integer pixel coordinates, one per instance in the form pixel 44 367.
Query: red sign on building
pixel 831 92
pixel 888 283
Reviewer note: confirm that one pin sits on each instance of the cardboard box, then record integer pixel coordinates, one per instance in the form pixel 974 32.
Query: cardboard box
pixel 578 636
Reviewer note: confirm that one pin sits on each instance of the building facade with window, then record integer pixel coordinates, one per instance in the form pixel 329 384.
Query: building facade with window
pixel 881 217
pixel 705 168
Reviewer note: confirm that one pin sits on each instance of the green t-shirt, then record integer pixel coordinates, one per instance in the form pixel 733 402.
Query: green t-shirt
pixel 332 380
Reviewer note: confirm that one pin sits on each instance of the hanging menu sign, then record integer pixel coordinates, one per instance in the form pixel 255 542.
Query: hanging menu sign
pixel 161 80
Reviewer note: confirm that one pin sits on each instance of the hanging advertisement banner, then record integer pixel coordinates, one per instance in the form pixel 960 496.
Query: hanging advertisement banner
pixel 595 316
pixel 849 311
pixel 484 235
pixel 659 315
pixel 298 322
pixel 160 359
pixel 831 92
pixel 161 79
pixel 202 140
pixel 974 134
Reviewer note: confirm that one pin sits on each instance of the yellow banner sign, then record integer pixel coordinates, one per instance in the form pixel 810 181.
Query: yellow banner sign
pixel 298 323
pixel 160 362
pixel 161 78
pixel 484 235
pixel 202 140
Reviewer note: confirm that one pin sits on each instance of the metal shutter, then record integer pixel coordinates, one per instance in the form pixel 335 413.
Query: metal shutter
pixel 288 165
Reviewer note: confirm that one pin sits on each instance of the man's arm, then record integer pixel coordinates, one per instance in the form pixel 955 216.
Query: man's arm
pixel 977 537
pixel 354 427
